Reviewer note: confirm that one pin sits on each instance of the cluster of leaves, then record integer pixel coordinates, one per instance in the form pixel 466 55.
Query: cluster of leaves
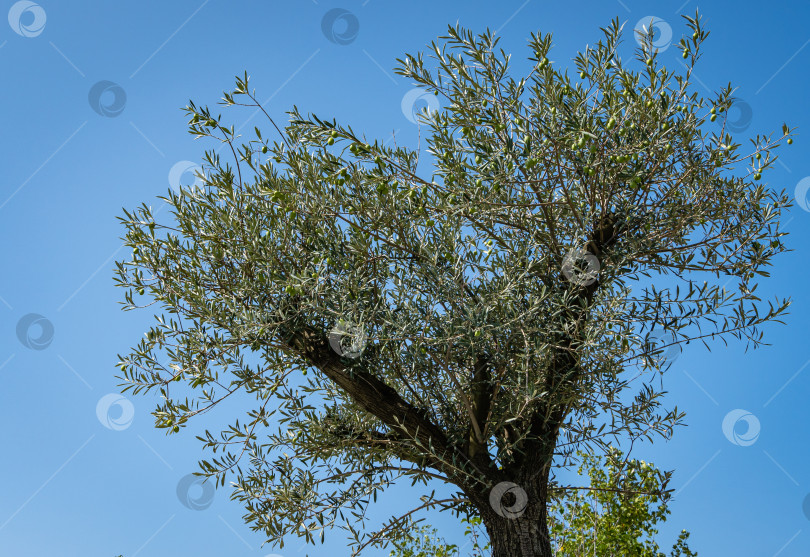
pixel 618 514
pixel 424 541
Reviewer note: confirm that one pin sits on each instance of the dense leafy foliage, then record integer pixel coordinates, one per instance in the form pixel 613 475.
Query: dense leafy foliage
pixel 618 514
pixel 470 327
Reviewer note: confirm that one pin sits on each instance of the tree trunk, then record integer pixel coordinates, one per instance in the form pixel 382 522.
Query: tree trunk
pixel 519 526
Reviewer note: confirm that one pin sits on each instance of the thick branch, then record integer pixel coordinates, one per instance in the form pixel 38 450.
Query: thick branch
pixel 382 401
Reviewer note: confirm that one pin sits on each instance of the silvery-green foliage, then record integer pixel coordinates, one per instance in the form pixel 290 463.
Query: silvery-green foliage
pixel 482 353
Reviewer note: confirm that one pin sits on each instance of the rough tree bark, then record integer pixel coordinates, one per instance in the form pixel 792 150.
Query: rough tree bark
pixel 518 524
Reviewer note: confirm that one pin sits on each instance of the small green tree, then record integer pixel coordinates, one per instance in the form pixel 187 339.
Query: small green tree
pixel 475 326
pixel 617 514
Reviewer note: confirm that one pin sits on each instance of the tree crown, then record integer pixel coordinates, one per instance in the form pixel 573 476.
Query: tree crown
pixel 476 326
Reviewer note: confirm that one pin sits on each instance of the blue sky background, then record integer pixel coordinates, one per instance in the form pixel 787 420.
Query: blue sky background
pixel 77 482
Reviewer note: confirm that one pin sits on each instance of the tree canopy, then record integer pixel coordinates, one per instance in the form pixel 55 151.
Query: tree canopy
pixel 473 325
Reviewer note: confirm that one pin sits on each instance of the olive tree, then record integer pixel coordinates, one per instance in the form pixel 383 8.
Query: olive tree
pixel 468 327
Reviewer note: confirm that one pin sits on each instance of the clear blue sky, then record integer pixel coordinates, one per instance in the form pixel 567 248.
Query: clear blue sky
pixel 82 482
